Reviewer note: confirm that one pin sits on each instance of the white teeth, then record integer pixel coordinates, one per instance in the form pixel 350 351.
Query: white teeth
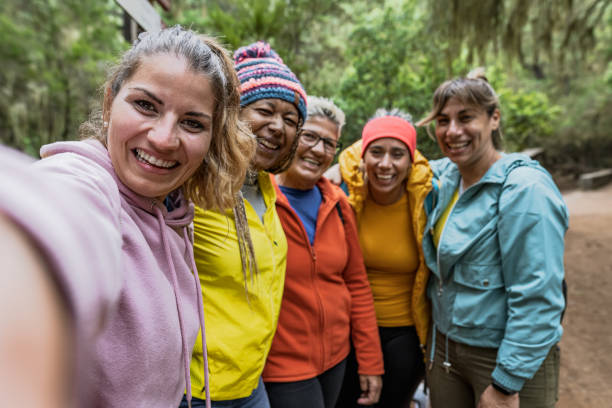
pixel 311 161
pixel 268 144
pixel 384 176
pixel 458 145
pixel 147 158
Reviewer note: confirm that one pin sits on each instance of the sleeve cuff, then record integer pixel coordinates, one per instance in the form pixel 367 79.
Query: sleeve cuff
pixel 507 380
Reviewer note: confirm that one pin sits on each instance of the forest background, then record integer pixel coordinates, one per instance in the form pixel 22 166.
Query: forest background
pixel 550 62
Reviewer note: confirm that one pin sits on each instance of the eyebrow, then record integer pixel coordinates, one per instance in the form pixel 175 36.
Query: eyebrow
pixel 468 110
pixel 199 115
pixel 159 101
pixel 272 106
pixel 149 94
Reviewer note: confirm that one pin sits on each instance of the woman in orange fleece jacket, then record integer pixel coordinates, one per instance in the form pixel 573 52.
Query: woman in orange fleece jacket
pixel 327 298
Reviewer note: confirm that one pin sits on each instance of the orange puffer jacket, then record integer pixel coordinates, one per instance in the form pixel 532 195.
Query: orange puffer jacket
pixel 326 294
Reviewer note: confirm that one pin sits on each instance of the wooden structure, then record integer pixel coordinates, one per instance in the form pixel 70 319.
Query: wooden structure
pixel 590 181
pixel 140 15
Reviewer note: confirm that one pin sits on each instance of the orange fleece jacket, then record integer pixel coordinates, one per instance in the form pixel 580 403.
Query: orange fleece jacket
pixel 327 296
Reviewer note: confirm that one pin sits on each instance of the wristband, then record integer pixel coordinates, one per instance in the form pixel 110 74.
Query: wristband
pixel 502 389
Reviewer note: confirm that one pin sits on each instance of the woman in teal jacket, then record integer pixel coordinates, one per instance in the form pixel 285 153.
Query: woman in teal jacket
pixel 495 247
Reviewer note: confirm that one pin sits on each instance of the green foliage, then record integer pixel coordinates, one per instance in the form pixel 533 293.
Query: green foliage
pixel 305 33
pixel 54 55
pixel 529 118
pixel 549 61
pixel 583 134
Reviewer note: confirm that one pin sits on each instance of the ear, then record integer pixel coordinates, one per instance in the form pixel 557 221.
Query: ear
pixel 495 119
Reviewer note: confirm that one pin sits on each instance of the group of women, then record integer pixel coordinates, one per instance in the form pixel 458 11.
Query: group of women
pixel 298 295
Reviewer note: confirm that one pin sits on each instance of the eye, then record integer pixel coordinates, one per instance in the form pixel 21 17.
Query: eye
pixel 328 143
pixel 193 126
pixel 376 152
pixel 465 118
pixel 264 112
pixel 290 121
pixel 398 154
pixel 442 121
pixel 308 137
pixel 144 106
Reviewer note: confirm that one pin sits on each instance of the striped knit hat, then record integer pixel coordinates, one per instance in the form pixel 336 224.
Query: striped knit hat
pixel 263 75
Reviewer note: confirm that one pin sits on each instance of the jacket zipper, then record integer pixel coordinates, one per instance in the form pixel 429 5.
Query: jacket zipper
pixel 313 276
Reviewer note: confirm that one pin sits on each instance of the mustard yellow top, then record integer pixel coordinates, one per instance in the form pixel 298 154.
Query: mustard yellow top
pixel 391 257
pixel 437 232
pixel 417 188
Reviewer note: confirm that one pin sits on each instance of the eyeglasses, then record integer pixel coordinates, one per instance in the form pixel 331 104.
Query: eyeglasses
pixel 311 139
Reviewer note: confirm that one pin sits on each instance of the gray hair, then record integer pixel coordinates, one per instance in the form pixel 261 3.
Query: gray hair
pixel 326 108
pixel 398 113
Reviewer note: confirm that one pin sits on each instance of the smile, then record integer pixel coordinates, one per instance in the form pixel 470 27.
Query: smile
pixel 312 162
pixel 268 144
pixel 154 161
pixel 456 146
pixel 384 177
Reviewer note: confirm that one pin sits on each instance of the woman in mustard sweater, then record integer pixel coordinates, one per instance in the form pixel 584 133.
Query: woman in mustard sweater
pixel 388 180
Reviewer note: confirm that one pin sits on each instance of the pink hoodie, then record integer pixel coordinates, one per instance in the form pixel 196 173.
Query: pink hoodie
pixel 129 280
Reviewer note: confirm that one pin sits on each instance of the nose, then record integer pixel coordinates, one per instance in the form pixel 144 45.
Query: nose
pixel 276 124
pixel 454 128
pixel 385 162
pixel 163 135
pixel 319 147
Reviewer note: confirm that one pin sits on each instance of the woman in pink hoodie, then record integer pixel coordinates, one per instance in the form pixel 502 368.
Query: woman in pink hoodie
pixel 169 135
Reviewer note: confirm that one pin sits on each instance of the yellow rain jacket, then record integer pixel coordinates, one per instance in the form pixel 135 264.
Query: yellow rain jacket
pixel 239 331
pixel 417 187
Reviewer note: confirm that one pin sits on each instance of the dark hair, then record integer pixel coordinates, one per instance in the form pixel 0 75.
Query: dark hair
pixel 473 90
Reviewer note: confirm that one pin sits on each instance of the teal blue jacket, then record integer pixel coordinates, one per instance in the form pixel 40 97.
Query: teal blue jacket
pixel 498 270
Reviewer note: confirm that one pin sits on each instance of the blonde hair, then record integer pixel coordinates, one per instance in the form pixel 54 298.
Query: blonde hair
pixel 217 181
pixel 473 90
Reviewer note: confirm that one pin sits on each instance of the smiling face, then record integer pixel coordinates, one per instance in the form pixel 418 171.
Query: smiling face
pixel 274 123
pixel 464 135
pixel 160 125
pixel 311 161
pixel 387 165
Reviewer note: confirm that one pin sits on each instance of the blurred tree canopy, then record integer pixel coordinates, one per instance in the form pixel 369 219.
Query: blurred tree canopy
pixel 549 61
pixel 53 56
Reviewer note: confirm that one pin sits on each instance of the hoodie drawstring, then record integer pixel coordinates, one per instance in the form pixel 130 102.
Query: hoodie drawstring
pixel 433 347
pixel 200 314
pixel 446 364
pixel 186 354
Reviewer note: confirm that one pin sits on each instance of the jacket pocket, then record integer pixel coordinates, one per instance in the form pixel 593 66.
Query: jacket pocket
pixel 480 298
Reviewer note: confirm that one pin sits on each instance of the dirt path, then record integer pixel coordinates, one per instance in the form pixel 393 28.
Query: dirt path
pixel 586 346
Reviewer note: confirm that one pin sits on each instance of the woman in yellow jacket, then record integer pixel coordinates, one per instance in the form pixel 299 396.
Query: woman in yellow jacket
pixel 241 252
pixel 388 180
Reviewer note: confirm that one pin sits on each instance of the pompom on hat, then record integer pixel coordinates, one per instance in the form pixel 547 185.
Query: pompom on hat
pixel 389 126
pixel 263 75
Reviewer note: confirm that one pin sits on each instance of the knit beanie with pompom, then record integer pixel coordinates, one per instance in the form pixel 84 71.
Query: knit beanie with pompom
pixel 263 75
